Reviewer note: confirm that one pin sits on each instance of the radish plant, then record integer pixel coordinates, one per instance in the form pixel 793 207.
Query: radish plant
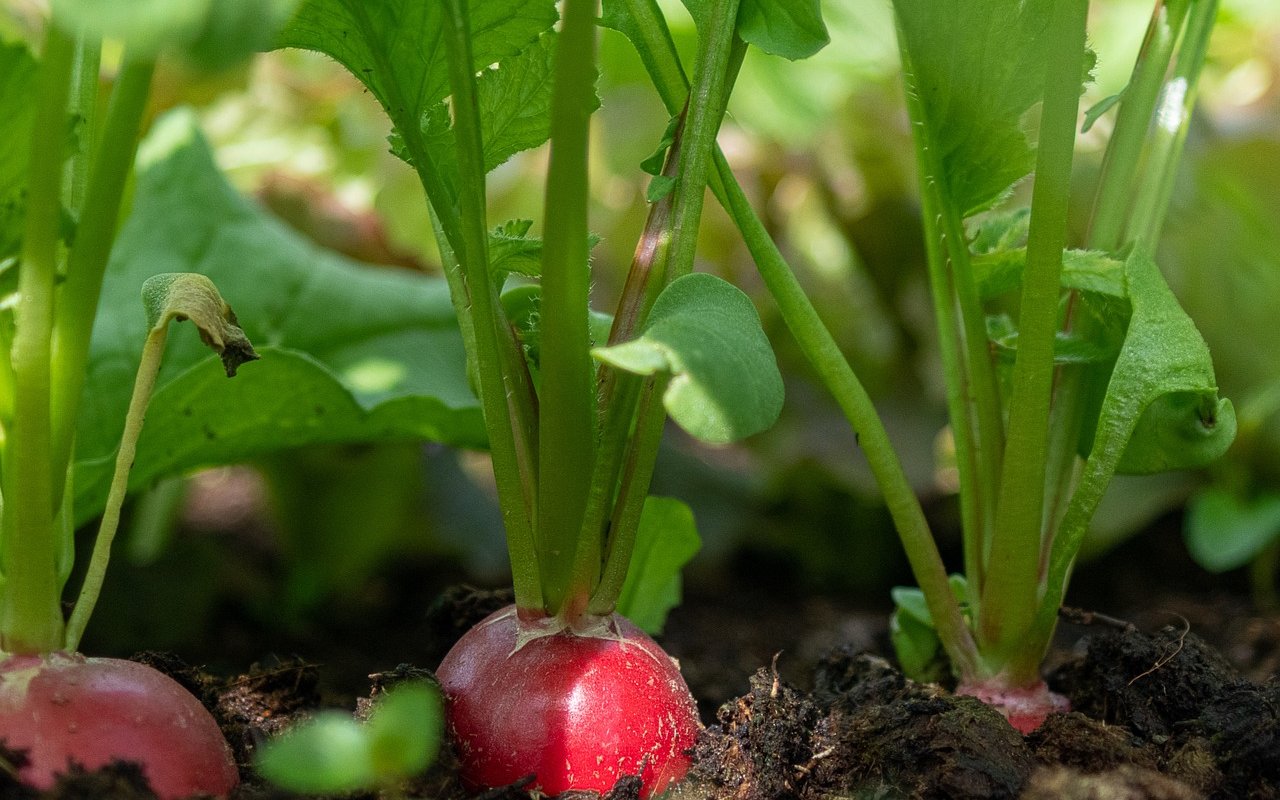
pixel 560 685
pixel 64 178
pixel 1097 372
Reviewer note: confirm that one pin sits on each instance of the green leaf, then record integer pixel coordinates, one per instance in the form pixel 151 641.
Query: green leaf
pixel 666 540
pixel 1163 366
pixel 978 68
pixel 915 642
pixel 405 729
pixel 523 307
pixel 792 29
pixel 512 251
pixel 1000 271
pixel 1224 531
pixel 180 296
pixel 706 335
pixel 331 754
pixel 1099 108
pixel 334 754
pixel 395 48
pixel 17 108
pixel 212 34
pixel 349 353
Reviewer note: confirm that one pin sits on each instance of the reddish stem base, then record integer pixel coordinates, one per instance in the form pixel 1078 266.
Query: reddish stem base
pixel 1026 707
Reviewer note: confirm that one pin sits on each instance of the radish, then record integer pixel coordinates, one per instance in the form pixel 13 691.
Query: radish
pixel 64 708
pixel 578 710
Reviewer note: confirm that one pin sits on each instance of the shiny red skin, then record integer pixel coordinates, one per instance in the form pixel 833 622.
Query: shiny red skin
pixel 65 707
pixel 1026 707
pixel 578 712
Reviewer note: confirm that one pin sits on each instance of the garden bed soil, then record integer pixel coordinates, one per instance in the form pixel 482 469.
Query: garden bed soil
pixel 814 710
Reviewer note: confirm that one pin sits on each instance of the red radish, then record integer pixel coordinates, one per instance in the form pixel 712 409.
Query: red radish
pixel 64 708
pixel 578 710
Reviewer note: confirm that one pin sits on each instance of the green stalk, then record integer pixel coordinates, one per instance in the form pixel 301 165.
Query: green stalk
pixel 720 55
pixel 503 387
pixel 1013 579
pixel 30 614
pixel 975 492
pixel 84 102
pixel 143 387
pixel 1124 151
pixel 1172 121
pixel 567 418
pixel 820 347
pixel 87 260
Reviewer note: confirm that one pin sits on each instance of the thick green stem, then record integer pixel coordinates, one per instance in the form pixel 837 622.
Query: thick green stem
pixel 503 386
pixel 30 614
pixel 143 387
pixel 1013 579
pixel 87 260
pixel 567 419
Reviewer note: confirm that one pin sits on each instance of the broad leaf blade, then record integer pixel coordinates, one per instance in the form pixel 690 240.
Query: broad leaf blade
pixel 666 540
pixel 331 754
pixel 706 335
pixel 349 353
pixel 792 29
pixel 977 67
pixel 395 47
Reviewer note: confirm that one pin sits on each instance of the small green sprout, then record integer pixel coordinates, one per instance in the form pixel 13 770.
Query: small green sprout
pixel 334 754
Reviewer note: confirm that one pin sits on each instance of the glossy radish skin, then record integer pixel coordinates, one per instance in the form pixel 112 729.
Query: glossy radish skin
pixel 65 707
pixel 577 711
pixel 1026 707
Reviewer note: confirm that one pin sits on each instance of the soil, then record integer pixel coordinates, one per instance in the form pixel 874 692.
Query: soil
pixel 801 701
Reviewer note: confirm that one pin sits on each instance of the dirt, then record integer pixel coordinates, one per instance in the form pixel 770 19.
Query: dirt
pixel 810 710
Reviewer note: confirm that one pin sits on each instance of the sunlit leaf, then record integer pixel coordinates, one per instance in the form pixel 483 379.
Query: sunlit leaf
pixel 705 334
pixel 666 540
pixel 349 352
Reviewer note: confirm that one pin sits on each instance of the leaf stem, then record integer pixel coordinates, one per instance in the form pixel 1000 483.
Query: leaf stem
pixel 87 260
pixel 143 387
pixel 503 386
pixel 1124 151
pixel 1013 578
pixel 30 614
pixel 567 418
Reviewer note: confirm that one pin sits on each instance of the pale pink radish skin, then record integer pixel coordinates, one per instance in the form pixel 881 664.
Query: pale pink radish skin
pixel 1026 707
pixel 577 711
pixel 65 707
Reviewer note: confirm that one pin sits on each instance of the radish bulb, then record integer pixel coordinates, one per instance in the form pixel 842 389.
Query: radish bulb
pixel 576 709
pixel 64 708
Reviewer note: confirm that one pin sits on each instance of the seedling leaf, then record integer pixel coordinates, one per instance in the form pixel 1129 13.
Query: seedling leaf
pixel 405 730
pixel 792 29
pixel 329 755
pixel 667 538
pixel 1224 531
pixel 179 296
pixel 706 335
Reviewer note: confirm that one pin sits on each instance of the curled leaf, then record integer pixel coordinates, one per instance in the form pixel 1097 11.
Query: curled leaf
pixel 177 296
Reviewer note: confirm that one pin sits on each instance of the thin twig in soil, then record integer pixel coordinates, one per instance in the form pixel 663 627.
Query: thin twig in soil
pixel 1080 616
pixel 1165 659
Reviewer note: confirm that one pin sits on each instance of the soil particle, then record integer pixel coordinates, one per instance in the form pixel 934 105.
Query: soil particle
pixel 252 707
pixel 1087 745
pixel 1126 782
